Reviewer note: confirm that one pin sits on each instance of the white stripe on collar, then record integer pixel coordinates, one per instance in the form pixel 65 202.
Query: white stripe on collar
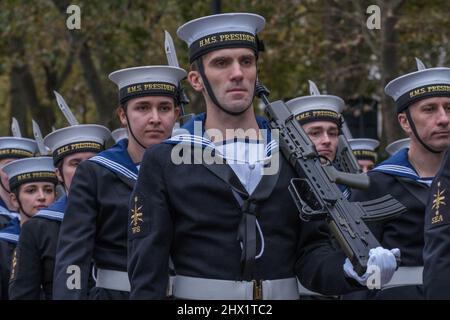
pixel 6 212
pixel 50 214
pixel 114 166
pixel 192 139
pixel 9 236
pixel 428 182
pixel 396 170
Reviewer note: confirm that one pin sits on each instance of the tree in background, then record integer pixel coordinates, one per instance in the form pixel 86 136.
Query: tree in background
pixel 326 41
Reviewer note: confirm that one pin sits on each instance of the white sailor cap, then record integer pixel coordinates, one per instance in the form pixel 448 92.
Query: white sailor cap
pixel 78 138
pixel 148 81
pixel 364 149
pixel 227 30
pixel 398 145
pixel 418 85
pixel 119 134
pixel 316 107
pixel 30 170
pixel 15 147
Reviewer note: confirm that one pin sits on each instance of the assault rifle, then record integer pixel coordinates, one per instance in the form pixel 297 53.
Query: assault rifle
pixel 317 194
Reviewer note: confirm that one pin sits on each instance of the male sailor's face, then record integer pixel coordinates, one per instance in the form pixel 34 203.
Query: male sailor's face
pixel 232 75
pixel 431 117
pixel 151 118
pixel 324 135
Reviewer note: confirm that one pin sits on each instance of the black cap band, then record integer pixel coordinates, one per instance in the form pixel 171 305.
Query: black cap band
pixel 365 155
pixel 223 40
pixel 40 176
pixel 420 93
pixel 319 115
pixel 148 89
pixel 15 153
pixel 75 147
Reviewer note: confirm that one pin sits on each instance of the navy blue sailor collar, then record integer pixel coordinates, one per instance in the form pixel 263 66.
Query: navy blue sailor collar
pixel 6 212
pixel 11 232
pixel 117 160
pixel 399 165
pixel 55 211
pixel 191 137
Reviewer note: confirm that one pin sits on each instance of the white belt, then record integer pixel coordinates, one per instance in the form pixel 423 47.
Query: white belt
pixel 213 289
pixel 113 279
pixel 306 292
pixel 406 276
pixel 169 291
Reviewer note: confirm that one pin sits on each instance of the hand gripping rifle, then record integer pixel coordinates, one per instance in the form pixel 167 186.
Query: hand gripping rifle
pixel 317 195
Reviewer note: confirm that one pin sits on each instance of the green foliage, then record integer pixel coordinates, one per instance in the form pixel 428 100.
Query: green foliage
pixel 325 41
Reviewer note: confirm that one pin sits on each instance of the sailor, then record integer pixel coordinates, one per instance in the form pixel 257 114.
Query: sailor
pixel 95 222
pixel 321 118
pixel 37 246
pixel 365 152
pixel 32 182
pixel 214 200
pixel 423 108
pixel 11 148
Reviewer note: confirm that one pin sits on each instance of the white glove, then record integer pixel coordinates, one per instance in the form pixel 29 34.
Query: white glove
pixel 380 268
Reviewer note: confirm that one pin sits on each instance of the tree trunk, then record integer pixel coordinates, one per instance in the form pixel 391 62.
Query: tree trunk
pixel 389 69
pixel 90 73
pixel 18 107
pixel 103 106
pixel 22 83
pixel 332 36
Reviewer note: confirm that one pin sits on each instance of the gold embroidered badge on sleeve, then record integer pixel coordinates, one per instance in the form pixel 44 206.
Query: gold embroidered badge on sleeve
pixel 438 201
pixel 136 217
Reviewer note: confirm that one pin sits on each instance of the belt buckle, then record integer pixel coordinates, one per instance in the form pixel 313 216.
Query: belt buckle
pixel 257 290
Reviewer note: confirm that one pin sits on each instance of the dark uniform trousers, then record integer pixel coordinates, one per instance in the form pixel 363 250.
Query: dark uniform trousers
pixel 190 214
pixel 404 232
pixel 93 230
